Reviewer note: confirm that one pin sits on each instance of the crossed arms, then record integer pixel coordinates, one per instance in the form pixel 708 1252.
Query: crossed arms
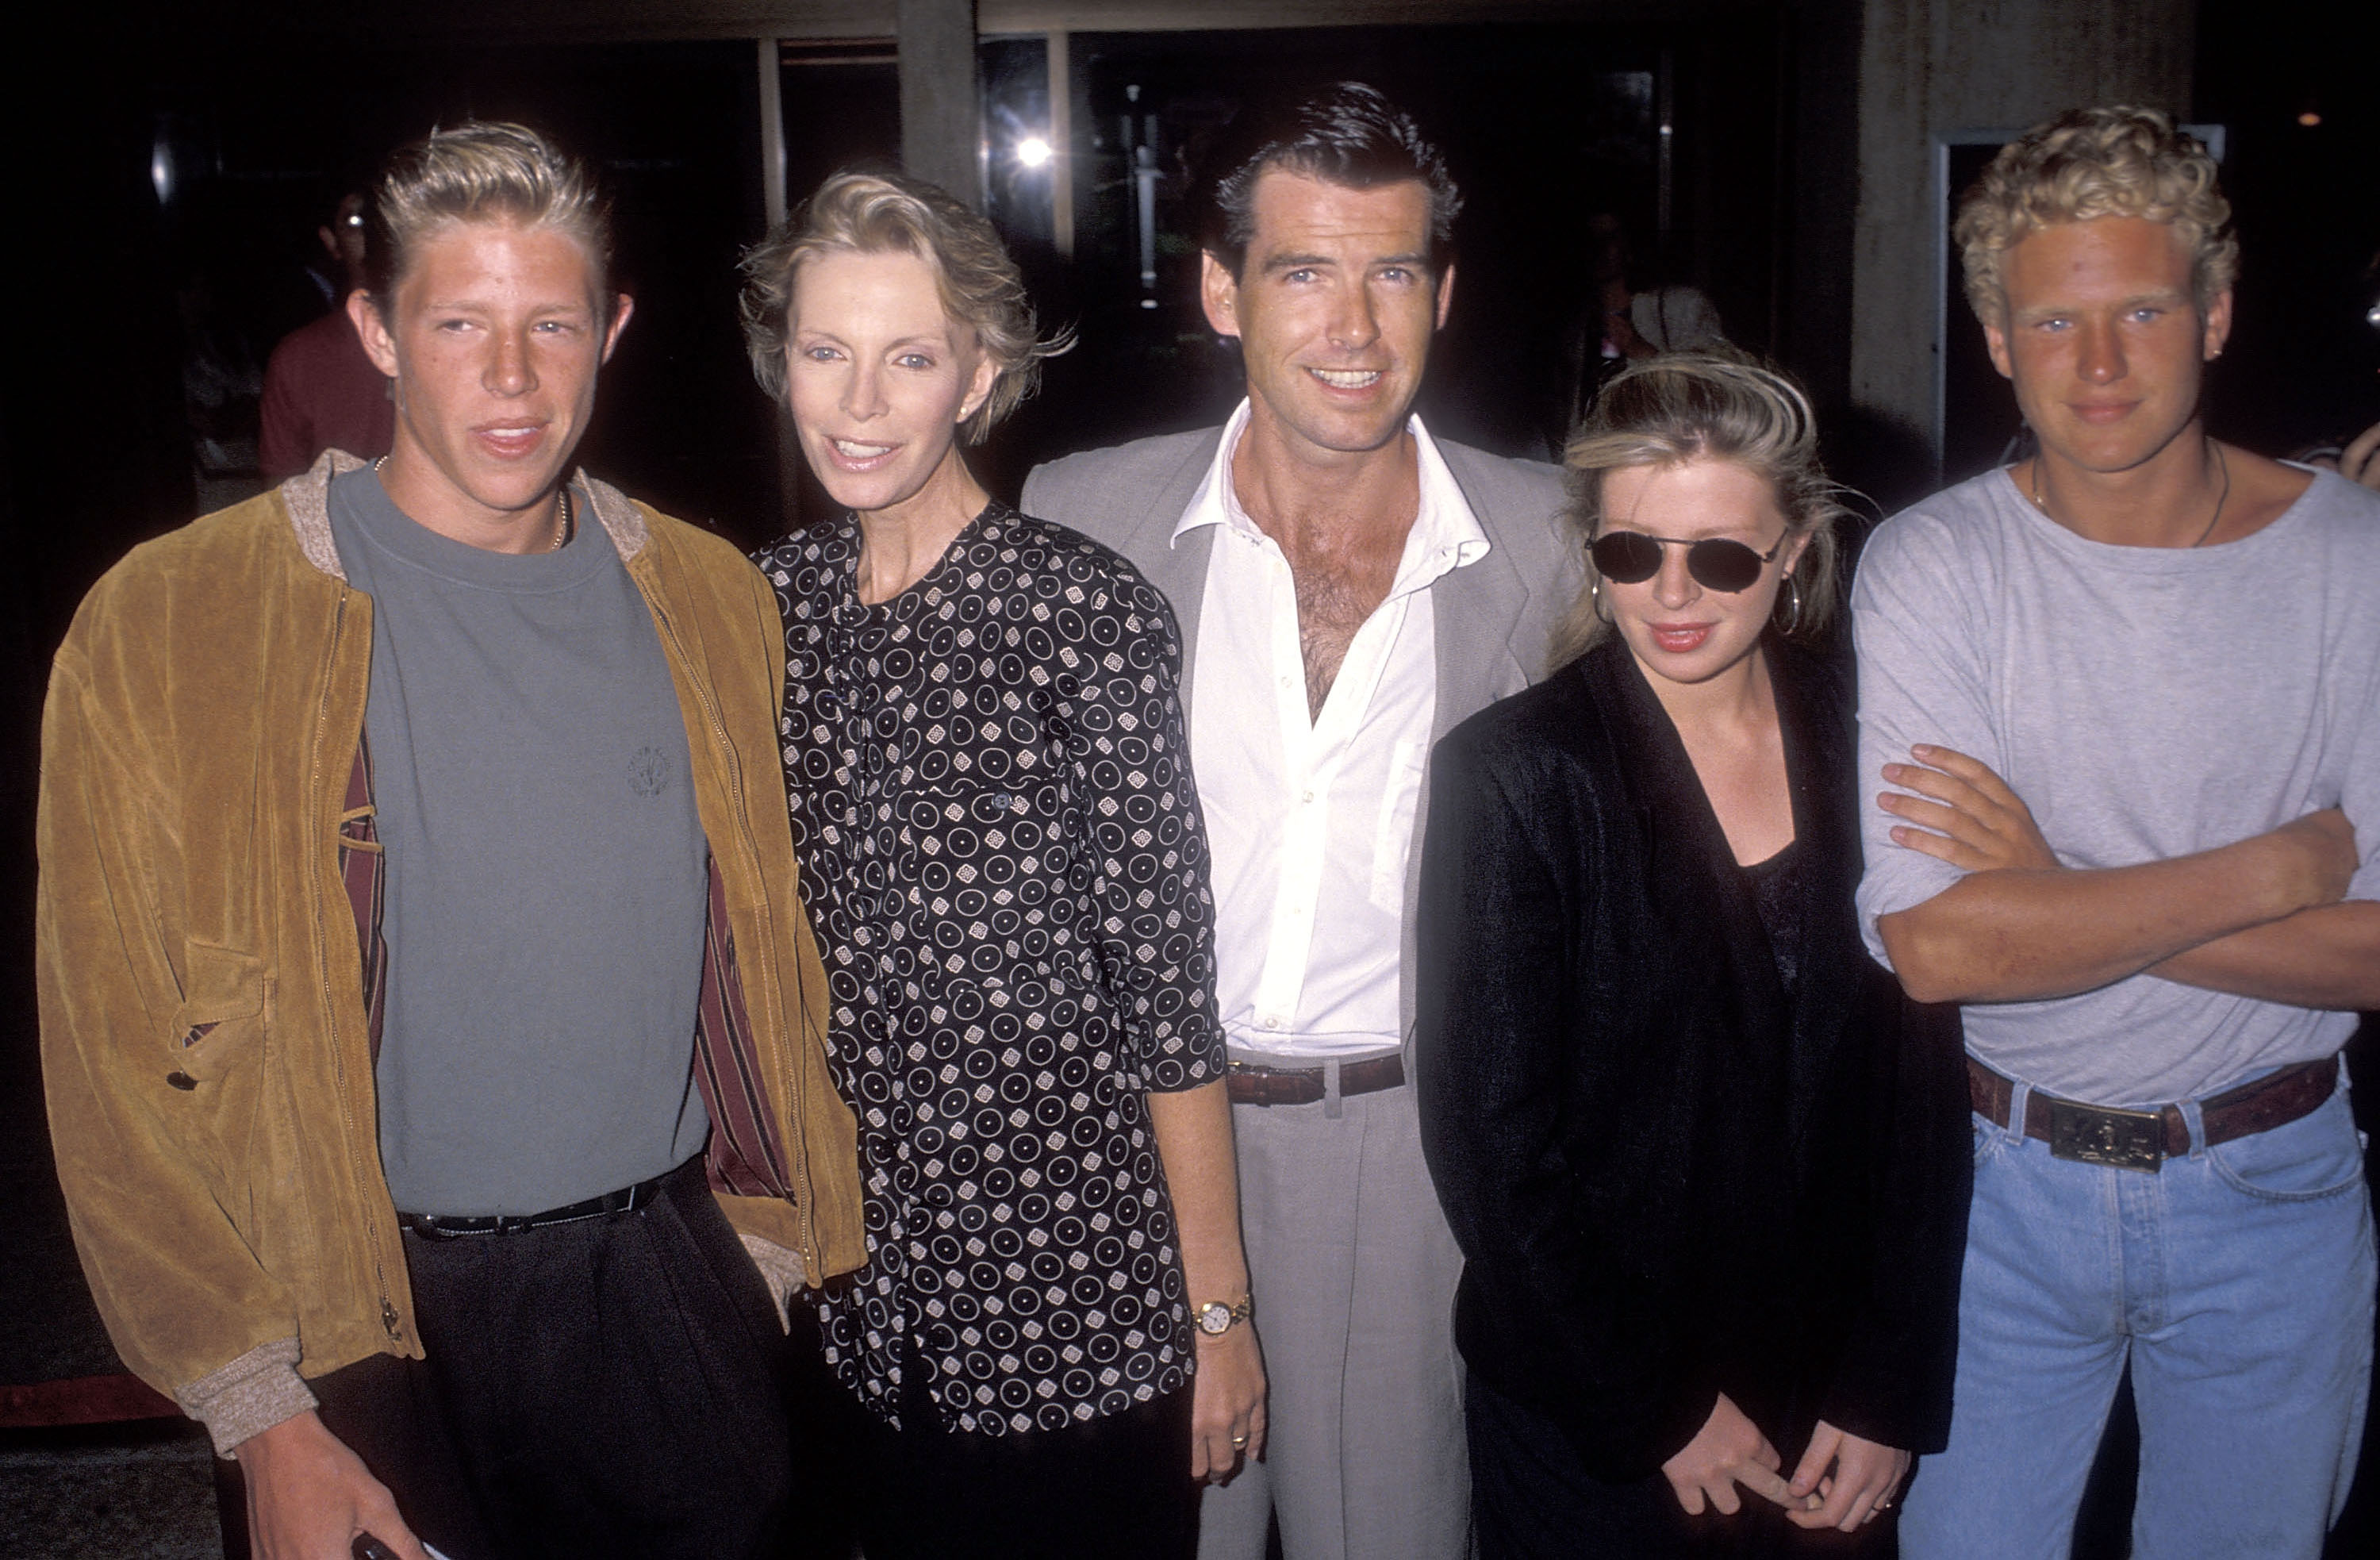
pixel 2263 917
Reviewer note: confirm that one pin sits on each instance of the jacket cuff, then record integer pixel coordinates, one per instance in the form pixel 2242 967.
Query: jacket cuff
pixel 248 1397
pixel 781 1270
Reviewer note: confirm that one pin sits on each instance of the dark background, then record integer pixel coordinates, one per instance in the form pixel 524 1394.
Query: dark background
pixel 138 323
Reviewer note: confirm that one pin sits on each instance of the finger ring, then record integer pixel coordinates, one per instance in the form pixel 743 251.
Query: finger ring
pixel 1239 1439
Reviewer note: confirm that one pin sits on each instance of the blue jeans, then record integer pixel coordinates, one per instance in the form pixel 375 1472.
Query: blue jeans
pixel 2238 1281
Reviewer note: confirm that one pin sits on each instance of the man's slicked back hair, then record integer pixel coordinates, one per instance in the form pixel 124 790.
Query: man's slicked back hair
pixel 2092 162
pixel 481 171
pixel 1348 134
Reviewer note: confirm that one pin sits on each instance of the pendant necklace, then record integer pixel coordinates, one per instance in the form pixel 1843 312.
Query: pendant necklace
pixel 2222 497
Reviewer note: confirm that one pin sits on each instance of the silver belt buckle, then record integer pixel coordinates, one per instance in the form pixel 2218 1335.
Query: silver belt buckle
pixel 2096 1135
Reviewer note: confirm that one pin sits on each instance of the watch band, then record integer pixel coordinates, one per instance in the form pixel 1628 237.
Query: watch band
pixel 1235 1312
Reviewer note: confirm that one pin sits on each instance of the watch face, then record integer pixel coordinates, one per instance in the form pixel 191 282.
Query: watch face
pixel 1214 1318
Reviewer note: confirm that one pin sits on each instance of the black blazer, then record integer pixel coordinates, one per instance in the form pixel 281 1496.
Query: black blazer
pixel 1670 1180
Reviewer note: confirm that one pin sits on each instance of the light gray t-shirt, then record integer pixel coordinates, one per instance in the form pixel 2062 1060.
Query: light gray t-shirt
pixel 547 876
pixel 2146 702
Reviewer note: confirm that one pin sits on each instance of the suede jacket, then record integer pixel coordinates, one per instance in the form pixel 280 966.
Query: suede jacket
pixel 205 976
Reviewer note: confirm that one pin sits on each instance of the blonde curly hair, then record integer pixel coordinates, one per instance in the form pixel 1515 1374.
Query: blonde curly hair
pixel 2090 163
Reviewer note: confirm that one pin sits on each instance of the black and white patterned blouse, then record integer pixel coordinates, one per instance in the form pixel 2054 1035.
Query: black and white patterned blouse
pixel 993 807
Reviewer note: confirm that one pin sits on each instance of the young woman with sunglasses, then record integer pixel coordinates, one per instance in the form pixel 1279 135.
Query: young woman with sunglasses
pixel 1708 1164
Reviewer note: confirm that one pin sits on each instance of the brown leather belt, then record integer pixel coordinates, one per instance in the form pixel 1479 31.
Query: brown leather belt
pixel 2142 1140
pixel 1251 1085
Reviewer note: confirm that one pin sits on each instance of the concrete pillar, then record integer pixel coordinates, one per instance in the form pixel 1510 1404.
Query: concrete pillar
pixel 769 62
pixel 938 98
pixel 1061 145
pixel 1930 68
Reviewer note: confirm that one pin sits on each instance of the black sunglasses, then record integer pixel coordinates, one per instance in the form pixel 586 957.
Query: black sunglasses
pixel 1631 558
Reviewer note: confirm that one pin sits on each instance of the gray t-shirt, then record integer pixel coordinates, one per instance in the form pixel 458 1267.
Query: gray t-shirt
pixel 2146 702
pixel 547 876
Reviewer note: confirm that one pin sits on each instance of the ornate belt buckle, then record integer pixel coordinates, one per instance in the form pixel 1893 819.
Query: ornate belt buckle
pixel 2096 1135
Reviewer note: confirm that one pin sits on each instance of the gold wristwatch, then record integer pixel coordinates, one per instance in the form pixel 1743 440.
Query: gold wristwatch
pixel 1216 1317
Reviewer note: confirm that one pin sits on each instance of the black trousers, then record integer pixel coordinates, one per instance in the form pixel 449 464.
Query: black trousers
pixel 1118 1488
pixel 1532 1499
pixel 610 1387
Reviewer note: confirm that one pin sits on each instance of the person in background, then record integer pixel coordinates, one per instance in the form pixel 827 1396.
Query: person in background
pixel 1627 317
pixel 2357 458
pixel 1707 1163
pixel 321 391
pixel 2125 697
pixel 1350 588
pixel 1642 319
pixel 2359 462
pixel 992 801
pixel 426 1001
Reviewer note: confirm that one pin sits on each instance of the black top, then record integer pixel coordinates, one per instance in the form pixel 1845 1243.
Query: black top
pixel 1670 1176
pixel 1777 888
pixel 993 808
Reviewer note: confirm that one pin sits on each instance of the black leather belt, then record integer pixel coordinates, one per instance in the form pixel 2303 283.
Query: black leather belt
pixel 2143 1139
pixel 447 1226
pixel 1251 1085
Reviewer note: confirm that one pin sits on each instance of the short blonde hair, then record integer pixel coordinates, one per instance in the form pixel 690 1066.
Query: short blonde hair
pixel 2090 163
pixel 881 213
pixel 1713 404
pixel 481 171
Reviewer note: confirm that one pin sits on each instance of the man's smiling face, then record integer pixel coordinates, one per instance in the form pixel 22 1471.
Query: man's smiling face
pixel 1334 307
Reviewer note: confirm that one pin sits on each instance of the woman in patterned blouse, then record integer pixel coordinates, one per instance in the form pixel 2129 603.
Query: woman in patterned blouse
pixel 992 803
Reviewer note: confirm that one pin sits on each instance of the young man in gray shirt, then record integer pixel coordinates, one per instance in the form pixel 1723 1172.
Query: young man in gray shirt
pixel 427 1003
pixel 2127 696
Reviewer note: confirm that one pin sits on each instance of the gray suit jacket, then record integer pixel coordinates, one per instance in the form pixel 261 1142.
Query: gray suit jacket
pixel 1493 618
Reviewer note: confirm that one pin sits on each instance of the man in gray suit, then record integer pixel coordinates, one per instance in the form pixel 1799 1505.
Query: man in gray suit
pixel 1348 589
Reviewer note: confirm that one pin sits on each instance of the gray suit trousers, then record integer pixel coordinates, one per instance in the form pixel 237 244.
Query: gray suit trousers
pixel 1354 1272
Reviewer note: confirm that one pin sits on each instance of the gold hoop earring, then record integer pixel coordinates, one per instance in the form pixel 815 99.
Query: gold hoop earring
pixel 1594 599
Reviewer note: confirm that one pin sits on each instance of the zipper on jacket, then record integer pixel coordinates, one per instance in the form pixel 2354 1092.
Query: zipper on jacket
pixel 388 1317
pixel 793 1111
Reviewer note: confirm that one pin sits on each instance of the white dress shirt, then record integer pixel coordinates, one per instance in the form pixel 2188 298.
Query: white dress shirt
pixel 1311 820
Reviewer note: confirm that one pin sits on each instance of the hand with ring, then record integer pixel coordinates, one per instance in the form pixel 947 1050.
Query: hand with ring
pixel 1227 1422
pixel 1854 1479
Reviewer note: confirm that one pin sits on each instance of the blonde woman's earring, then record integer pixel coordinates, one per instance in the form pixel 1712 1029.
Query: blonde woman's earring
pixel 1792 618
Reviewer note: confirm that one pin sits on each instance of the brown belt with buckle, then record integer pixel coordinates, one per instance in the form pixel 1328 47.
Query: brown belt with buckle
pixel 2143 1139
pixel 1251 1085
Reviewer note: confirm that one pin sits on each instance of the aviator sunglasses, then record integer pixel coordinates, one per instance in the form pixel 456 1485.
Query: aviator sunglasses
pixel 1631 558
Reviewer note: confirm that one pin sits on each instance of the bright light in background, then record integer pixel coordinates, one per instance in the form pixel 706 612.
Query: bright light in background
pixel 1033 151
pixel 2309 118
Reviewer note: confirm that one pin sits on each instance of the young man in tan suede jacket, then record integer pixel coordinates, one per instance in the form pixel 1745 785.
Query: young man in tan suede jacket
pixel 427 1005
